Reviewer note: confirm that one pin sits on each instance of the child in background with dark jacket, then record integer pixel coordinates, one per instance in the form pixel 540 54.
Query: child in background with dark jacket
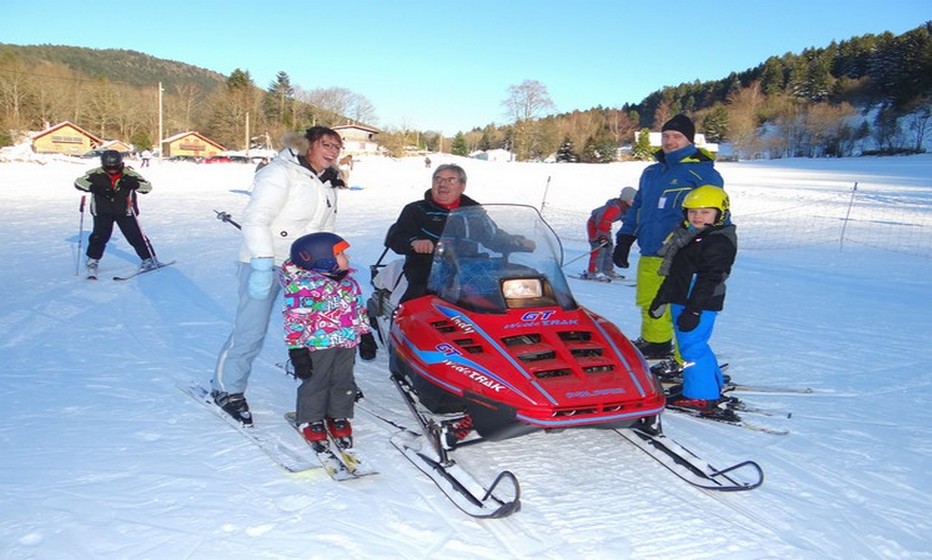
pixel 325 320
pixel 114 187
pixel 697 258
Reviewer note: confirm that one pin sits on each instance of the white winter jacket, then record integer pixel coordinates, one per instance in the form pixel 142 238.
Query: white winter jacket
pixel 287 201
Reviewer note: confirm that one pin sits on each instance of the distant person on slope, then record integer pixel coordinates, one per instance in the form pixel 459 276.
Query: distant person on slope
pixel 697 258
pixel 655 212
pixel 599 232
pixel 291 197
pixel 114 187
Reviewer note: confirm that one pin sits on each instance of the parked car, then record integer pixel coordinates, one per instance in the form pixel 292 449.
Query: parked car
pixel 240 159
pixel 184 158
pixel 216 159
pixel 90 154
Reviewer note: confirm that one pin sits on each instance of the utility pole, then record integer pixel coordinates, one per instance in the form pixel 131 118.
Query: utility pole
pixel 160 122
pixel 247 135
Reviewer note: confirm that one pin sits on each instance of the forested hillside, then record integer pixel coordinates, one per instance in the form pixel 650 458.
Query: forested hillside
pixel 867 94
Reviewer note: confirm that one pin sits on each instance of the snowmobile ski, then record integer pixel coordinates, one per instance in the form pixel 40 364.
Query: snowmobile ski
pixel 746 475
pixel 289 459
pixel 458 485
pixel 344 464
pixel 428 453
pixel 138 272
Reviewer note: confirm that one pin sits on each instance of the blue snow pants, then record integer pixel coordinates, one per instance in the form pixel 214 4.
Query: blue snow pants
pixel 702 378
pixel 234 364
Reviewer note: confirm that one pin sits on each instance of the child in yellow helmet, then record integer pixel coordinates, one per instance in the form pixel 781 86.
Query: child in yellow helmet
pixel 698 257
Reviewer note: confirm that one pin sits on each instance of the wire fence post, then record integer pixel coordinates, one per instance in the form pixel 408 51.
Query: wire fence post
pixel 844 224
pixel 544 200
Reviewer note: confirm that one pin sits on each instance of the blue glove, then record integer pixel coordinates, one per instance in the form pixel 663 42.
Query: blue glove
pixel 260 279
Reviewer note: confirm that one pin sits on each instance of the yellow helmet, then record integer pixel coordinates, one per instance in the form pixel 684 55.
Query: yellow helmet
pixel 708 196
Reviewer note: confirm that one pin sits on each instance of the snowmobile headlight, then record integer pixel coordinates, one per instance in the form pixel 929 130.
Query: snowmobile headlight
pixel 522 288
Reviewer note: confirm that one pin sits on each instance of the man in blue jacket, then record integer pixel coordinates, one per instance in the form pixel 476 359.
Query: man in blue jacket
pixel 656 211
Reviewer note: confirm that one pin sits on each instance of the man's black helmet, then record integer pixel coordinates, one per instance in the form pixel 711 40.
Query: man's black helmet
pixel 111 160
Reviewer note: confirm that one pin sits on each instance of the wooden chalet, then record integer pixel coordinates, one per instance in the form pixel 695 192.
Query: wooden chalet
pixel 191 144
pixel 358 139
pixel 64 138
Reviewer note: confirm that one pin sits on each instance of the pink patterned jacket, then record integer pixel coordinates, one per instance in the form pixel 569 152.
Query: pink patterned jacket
pixel 321 312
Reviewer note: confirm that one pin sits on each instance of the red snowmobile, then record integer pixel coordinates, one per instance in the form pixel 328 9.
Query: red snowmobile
pixel 499 348
pixel 502 339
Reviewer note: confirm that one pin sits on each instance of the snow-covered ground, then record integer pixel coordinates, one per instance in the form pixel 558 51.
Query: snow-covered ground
pixel 103 456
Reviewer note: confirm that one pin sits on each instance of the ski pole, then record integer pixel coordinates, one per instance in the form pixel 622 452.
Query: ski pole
pixel 77 260
pixel 226 217
pixel 593 250
pixel 145 239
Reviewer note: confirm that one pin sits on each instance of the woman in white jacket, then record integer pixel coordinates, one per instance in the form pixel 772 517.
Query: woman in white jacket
pixel 292 196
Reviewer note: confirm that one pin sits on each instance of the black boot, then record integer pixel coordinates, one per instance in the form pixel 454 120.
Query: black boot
pixel 235 405
pixel 655 350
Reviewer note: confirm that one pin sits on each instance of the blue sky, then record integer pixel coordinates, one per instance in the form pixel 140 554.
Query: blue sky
pixel 447 65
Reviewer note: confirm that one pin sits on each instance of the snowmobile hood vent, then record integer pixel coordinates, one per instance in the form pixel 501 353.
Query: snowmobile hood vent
pixel 575 336
pixel 443 326
pixel 528 338
pixel 469 345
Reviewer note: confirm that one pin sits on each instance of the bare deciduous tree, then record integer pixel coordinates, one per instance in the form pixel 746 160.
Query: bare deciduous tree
pixel 527 100
pixel 525 103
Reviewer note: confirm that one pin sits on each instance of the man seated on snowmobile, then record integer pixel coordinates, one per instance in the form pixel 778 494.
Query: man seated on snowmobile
pixel 418 228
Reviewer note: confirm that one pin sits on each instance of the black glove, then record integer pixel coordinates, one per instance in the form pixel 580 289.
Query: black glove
pixel 367 347
pixel 622 248
pixel 129 182
pixel 657 308
pixel 301 361
pixel 688 319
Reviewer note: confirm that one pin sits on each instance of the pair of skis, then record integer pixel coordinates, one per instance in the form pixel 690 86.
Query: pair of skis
pixel 618 280
pixel 345 464
pixel 283 455
pixel 730 409
pixel 135 274
pixel 348 465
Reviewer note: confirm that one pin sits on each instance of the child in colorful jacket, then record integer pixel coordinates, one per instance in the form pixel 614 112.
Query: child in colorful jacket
pixel 325 320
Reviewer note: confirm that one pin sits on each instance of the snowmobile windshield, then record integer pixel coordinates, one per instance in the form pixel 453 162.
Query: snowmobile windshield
pixel 496 257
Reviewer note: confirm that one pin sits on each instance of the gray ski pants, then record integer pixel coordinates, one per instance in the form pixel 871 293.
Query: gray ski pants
pixel 330 392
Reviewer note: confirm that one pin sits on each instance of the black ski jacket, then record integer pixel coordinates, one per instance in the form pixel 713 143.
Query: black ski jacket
pixel 698 272
pixel 113 197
